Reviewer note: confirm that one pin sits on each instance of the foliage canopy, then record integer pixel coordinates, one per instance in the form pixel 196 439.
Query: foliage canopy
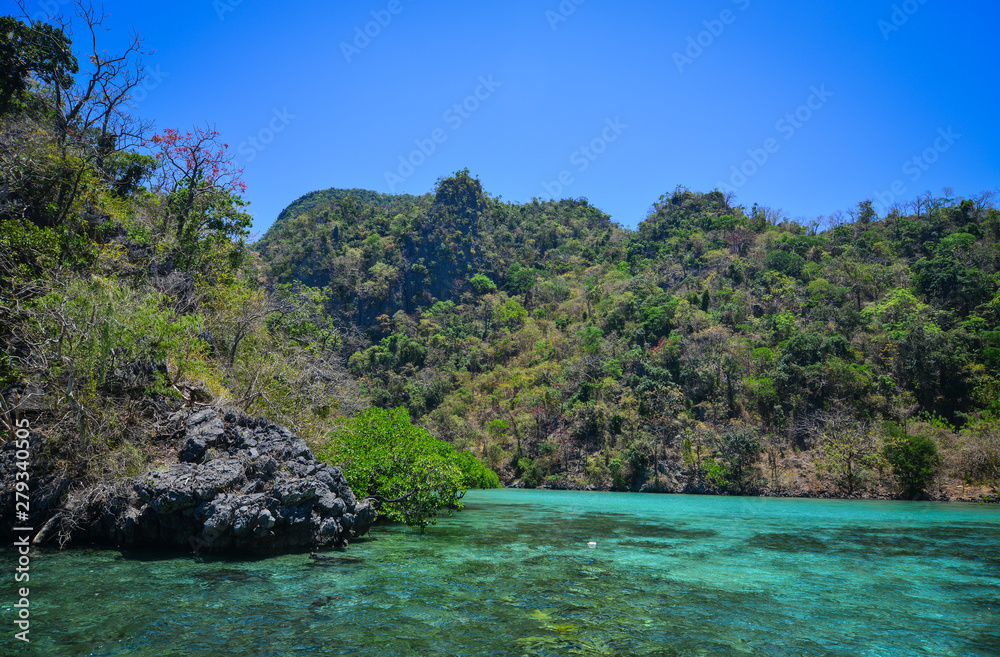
pixel 385 456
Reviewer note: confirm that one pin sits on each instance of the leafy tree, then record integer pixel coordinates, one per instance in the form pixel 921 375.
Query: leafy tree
pixel 413 474
pixel 762 393
pixel 301 311
pixel 482 284
pixel 238 311
pixel 981 452
pixel 510 314
pixel 39 50
pixel 629 462
pixel 774 446
pixel 591 338
pixel 201 187
pixel 87 113
pixel 914 460
pixel 520 279
pixel 785 262
pixel 950 281
pixel 531 472
pixel 849 450
pixel 736 454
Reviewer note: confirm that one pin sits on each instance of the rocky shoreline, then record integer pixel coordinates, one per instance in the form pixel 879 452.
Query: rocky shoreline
pixel 984 498
pixel 242 485
pixel 239 485
pixel 674 478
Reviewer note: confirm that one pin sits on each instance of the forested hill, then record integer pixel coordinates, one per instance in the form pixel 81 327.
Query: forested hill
pixel 564 348
pixel 380 254
pixel 313 200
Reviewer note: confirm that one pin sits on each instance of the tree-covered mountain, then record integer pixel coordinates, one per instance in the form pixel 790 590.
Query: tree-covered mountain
pixel 746 349
pixel 716 348
pixel 381 254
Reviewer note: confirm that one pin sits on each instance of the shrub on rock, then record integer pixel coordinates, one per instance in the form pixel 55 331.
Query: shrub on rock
pixel 412 473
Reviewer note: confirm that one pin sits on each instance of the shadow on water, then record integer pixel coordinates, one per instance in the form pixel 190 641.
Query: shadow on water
pixel 962 542
pixel 645 545
pixel 220 575
pixel 788 542
pixel 670 531
pixel 556 529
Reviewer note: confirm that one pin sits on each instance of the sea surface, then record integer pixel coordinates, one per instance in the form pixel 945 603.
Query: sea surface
pixel 513 575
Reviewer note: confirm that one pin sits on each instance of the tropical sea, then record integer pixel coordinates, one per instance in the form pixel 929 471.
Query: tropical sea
pixel 513 574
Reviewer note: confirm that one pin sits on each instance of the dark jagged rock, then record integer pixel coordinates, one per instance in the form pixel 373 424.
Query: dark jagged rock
pixel 204 429
pixel 241 485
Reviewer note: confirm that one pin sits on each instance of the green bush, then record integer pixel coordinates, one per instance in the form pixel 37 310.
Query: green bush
pixel 27 250
pixel 104 326
pixel 913 460
pixel 716 472
pixel 736 454
pixel 787 263
pixel 482 285
pixel 628 463
pixel 531 472
pixel 687 452
pixel 385 456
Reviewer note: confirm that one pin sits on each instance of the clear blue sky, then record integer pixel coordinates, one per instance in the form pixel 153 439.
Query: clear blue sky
pixel 621 79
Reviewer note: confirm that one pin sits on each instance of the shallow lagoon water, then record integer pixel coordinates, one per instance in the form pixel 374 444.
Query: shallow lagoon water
pixel 513 575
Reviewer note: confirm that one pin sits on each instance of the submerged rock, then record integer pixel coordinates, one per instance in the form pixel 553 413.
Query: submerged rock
pixel 241 485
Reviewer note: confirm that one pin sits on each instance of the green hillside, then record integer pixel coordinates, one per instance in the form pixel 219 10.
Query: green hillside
pixel 717 348
pixel 750 351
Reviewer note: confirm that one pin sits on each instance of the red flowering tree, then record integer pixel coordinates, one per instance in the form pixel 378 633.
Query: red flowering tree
pixel 201 187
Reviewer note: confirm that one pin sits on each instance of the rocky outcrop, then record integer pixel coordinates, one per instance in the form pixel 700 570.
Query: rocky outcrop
pixel 240 485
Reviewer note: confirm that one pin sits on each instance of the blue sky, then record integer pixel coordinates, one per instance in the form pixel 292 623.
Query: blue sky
pixel 808 107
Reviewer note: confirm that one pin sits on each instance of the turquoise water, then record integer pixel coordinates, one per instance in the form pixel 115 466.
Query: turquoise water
pixel 513 575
